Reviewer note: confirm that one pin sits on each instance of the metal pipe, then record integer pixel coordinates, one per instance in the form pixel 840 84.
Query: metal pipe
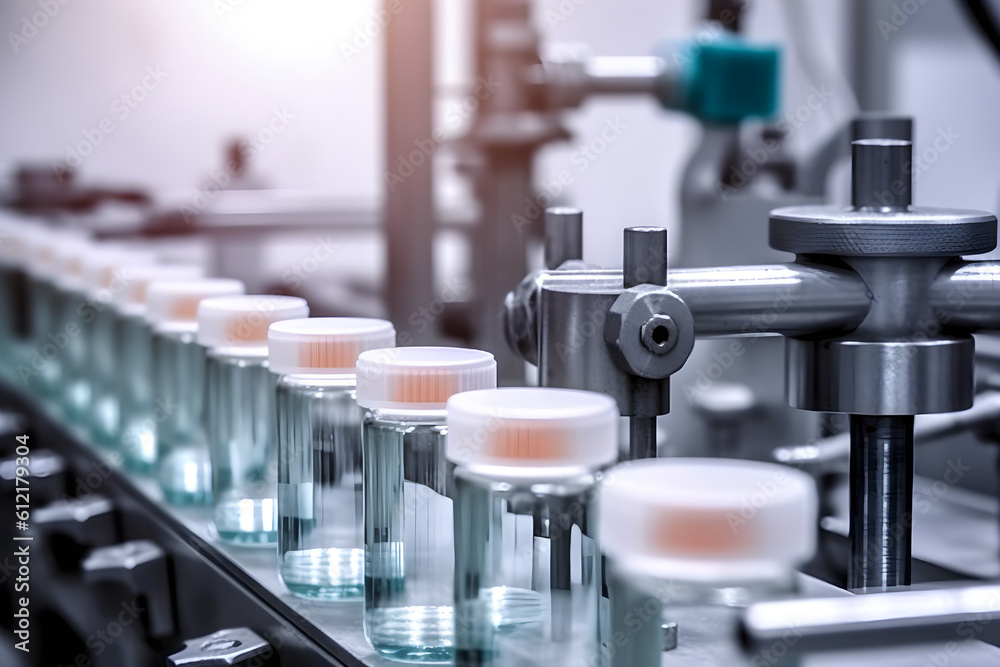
pixel 964 296
pixel 812 625
pixel 623 75
pixel 881 502
pixel 790 299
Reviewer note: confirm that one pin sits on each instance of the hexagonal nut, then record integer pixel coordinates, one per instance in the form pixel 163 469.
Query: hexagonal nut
pixel 649 308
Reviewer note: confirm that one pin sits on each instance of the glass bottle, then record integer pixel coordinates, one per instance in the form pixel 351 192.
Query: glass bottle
pixel 41 359
pixel 69 294
pixel 527 557
pixel 139 407
pixel 12 284
pixel 409 524
pixel 320 529
pixel 102 275
pixel 15 263
pixel 240 412
pixel 183 468
pixel 693 541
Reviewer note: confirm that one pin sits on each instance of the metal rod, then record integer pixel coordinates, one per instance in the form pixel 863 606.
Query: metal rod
pixel 832 453
pixel 789 299
pixel 645 256
pixel 641 438
pixel 563 235
pixel 882 126
pixel 871 621
pixel 880 174
pixel 645 262
pixel 965 296
pixel 881 502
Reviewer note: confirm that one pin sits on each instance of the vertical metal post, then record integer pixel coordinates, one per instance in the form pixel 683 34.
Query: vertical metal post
pixel 563 235
pixel 409 212
pixel 881 502
pixel 644 262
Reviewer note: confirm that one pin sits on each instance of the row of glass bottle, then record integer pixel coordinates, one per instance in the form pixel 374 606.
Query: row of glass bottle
pixel 480 546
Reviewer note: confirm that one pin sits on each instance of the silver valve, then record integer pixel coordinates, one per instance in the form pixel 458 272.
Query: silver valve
pixel 236 647
pixel 141 566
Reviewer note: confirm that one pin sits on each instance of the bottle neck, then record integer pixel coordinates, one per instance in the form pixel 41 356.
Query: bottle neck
pixel 432 417
pixel 333 381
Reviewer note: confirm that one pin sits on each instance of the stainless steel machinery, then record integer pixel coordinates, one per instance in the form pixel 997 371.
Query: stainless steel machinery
pixel 877 311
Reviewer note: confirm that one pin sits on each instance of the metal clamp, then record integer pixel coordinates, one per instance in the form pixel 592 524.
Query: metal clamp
pixel 89 521
pixel 140 565
pixel 233 646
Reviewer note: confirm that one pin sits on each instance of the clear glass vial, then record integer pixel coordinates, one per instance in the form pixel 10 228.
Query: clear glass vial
pixel 320 526
pixel 240 412
pixel 409 524
pixel 139 407
pixel 183 467
pixel 101 271
pixel 13 285
pixel 70 294
pixel 527 556
pixel 692 542
pixel 42 358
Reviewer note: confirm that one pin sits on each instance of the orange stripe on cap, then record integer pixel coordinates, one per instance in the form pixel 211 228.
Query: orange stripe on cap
pixel 699 532
pixel 527 441
pixel 242 330
pixel 423 386
pixel 329 354
pixel 185 308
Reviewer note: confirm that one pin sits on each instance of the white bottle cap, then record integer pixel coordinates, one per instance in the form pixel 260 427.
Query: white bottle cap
pixel 708 520
pixel 421 378
pixel 101 267
pixel 41 245
pixel 241 322
pixel 325 345
pixel 68 258
pixel 535 431
pixel 172 305
pixel 14 238
pixel 135 280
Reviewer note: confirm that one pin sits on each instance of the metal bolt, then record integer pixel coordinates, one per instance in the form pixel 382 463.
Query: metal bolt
pixel 668 638
pixel 659 334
